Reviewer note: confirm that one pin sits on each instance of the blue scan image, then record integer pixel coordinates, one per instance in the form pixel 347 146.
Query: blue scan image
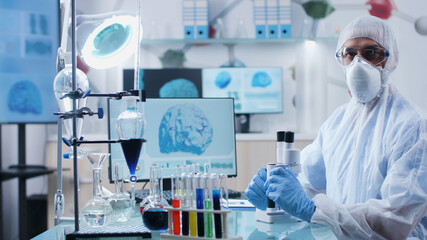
pixel 184 128
pixel 43 24
pixel 24 97
pixel 38 48
pixel 223 79
pixel 180 87
pixel 261 79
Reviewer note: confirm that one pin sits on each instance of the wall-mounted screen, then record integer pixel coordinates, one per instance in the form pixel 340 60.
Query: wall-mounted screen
pixel 255 90
pixel 181 131
pixel 29 40
pixel 167 82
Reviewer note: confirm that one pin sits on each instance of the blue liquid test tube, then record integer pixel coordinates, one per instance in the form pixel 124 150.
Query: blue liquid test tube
pixel 216 196
pixel 200 198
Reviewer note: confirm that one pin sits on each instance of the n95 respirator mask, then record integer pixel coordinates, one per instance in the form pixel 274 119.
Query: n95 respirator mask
pixel 363 80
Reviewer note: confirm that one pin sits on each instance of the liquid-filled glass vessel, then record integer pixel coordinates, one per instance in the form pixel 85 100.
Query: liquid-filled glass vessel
pixel 131 130
pixel 97 212
pixel 62 85
pixel 131 122
pixel 154 216
pixel 120 201
pixel 147 201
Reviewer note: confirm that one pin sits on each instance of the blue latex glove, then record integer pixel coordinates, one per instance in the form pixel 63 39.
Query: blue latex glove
pixel 285 189
pixel 255 192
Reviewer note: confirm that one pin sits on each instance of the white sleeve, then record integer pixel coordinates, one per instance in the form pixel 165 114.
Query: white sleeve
pixel 312 176
pixel 403 203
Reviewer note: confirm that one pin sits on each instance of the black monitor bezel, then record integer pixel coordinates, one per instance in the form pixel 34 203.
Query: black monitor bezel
pixel 110 177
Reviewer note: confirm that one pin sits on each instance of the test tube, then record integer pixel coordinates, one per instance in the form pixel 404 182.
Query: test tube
pixel 200 198
pixel 208 202
pixel 192 201
pixel 224 189
pixel 175 204
pixel 216 196
pixel 186 186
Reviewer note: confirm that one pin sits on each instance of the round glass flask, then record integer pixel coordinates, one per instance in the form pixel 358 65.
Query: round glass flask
pixel 62 85
pixel 154 216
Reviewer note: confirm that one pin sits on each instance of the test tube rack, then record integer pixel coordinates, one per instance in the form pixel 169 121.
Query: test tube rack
pixel 223 212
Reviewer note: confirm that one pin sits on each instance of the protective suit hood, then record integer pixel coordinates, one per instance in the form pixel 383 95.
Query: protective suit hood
pixel 376 29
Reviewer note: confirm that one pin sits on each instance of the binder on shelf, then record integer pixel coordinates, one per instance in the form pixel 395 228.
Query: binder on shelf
pixel 285 18
pixel 272 18
pixel 272 9
pixel 260 16
pixel 195 19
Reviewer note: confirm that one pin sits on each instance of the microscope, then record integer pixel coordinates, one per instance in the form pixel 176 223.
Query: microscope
pixel 287 156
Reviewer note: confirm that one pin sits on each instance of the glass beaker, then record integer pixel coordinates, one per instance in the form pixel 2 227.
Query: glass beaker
pixel 119 201
pixel 154 216
pixel 97 211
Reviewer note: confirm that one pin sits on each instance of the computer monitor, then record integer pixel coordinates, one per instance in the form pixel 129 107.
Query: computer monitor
pixel 29 39
pixel 255 90
pixel 166 82
pixel 179 132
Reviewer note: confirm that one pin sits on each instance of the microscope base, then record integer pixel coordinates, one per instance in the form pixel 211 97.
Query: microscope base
pixel 274 216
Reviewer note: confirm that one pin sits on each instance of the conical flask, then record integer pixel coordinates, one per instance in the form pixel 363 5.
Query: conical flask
pixel 97 212
pixel 119 201
pixel 62 85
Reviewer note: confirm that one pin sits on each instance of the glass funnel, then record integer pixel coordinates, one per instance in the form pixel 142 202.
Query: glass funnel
pixel 62 85
pixel 119 201
pixel 131 129
pixel 154 216
pixel 97 211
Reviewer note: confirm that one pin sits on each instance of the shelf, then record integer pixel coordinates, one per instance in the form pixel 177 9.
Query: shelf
pixel 25 172
pixel 227 41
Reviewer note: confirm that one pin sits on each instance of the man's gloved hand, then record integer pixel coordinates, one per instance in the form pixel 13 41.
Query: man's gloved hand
pixel 255 192
pixel 285 189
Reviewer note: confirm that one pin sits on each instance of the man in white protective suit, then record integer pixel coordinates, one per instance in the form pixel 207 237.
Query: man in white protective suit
pixel 365 174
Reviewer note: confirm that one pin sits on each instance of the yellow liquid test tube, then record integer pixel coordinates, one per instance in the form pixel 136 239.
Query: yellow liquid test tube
pixel 193 224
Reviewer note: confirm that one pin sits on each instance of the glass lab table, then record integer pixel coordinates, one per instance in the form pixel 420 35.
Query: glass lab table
pixel 240 223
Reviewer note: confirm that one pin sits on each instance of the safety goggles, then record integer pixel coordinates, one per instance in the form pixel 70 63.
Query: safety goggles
pixel 373 54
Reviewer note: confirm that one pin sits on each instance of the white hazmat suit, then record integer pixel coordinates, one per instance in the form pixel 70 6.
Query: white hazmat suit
pixel 366 171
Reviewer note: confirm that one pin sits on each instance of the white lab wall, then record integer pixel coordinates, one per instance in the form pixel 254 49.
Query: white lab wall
pixel 319 84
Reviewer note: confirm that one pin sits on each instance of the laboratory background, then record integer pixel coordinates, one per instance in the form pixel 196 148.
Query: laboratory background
pixel 308 82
